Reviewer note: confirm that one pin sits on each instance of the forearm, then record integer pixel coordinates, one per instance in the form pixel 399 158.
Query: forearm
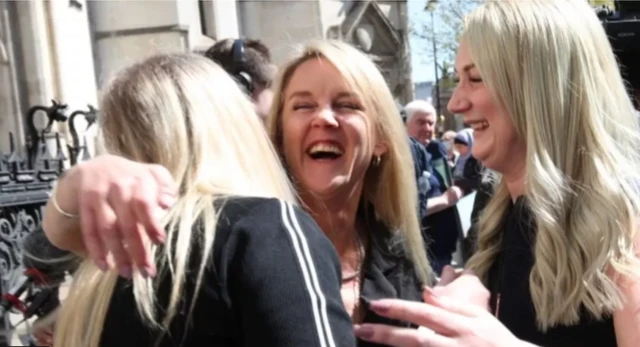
pixel 62 231
pixel 437 204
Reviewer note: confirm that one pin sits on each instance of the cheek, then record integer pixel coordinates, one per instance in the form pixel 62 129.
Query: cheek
pixel 291 138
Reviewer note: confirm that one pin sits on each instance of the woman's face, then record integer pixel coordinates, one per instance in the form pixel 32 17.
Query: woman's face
pixel 328 142
pixel 462 149
pixel 496 143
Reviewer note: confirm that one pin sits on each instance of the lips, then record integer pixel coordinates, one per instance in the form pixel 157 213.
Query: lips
pixel 325 150
pixel 478 125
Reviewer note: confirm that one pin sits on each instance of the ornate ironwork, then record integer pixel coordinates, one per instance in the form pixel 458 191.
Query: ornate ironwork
pixel 26 178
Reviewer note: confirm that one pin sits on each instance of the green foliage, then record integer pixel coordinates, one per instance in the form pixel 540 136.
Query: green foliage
pixel 597 3
pixel 448 16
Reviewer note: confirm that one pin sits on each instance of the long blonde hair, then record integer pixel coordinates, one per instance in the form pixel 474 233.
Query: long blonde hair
pixel 550 63
pixel 391 187
pixel 185 113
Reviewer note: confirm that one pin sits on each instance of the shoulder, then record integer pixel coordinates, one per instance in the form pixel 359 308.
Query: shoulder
pixel 437 149
pixel 245 214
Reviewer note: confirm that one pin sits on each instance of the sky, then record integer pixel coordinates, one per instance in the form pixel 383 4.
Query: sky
pixel 423 69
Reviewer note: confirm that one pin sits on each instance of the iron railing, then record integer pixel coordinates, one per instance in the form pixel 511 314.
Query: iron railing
pixel 26 178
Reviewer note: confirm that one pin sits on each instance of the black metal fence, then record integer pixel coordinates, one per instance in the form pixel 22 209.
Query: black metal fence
pixel 26 178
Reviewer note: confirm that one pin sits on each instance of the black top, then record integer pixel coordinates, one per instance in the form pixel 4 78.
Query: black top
pixel 388 274
pixel 509 276
pixel 274 280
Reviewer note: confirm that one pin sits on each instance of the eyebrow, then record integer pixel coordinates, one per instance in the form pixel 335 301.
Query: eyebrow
pixel 301 93
pixel 306 93
pixel 466 68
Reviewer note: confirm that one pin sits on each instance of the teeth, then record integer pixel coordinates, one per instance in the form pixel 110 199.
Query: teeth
pixel 479 125
pixel 325 148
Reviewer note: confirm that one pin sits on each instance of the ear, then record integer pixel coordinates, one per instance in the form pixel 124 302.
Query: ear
pixel 380 149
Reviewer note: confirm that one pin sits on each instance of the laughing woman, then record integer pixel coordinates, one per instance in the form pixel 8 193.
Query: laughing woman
pixel 559 242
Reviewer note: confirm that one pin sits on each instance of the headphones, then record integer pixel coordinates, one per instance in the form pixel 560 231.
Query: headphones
pixel 238 66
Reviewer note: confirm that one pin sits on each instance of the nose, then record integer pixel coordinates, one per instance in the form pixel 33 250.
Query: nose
pixel 325 117
pixel 459 103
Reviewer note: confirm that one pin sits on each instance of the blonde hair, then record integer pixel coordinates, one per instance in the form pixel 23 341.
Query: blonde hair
pixel 185 113
pixel 394 200
pixel 551 65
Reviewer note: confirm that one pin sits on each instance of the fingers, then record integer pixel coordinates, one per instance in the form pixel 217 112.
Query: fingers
pixel 433 317
pixel 112 239
pixel 400 337
pixel 145 209
pixel 453 305
pixel 91 236
pixel 449 274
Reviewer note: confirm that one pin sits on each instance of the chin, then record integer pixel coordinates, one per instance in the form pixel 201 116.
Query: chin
pixel 324 189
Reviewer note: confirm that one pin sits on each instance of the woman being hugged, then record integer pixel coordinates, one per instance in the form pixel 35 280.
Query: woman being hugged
pixel 335 125
pixel 236 252
pixel 559 243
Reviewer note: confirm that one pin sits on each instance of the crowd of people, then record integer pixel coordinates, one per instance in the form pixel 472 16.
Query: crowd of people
pixel 237 204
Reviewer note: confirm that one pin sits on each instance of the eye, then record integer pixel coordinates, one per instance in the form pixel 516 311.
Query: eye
pixel 348 106
pixel 302 106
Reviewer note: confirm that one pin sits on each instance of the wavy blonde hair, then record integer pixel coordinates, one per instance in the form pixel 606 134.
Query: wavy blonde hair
pixel 550 64
pixel 394 200
pixel 185 113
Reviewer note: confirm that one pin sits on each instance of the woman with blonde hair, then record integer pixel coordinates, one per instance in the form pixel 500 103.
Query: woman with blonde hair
pixel 236 251
pixel 335 127
pixel 558 245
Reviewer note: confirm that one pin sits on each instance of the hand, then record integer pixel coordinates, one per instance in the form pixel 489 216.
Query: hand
pixel 462 286
pixel 44 336
pixel 444 322
pixel 121 202
pixel 453 195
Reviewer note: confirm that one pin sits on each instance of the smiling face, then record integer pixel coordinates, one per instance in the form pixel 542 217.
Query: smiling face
pixel 327 137
pixel 421 126
pixel 496 142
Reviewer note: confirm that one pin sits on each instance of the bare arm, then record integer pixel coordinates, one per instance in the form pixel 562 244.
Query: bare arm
pixel 115 202
pixel 62 231
pixel 444 201
pixel 627 320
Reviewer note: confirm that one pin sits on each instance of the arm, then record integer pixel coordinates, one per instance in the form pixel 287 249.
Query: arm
pixel 62 231
pixel 449 198
pixel 626 321
pixel 284 281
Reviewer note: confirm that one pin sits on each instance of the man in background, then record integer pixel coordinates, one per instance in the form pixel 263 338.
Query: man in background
pixel 440 222
pixel 249 63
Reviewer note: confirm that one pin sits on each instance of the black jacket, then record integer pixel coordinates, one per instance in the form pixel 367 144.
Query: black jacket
pixel 274 280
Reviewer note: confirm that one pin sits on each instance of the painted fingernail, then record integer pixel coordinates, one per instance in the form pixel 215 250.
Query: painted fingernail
pixel 167 200
pixel 380 306
pixel 126 271
pixel 363 331
pixel 102 265
pixel 430 292
pixel 148 271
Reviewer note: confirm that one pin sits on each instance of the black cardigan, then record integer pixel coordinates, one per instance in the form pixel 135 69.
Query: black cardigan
pixel 274 280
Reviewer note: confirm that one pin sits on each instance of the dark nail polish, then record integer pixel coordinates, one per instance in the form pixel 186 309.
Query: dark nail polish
pixel 380 306
pixel 363 331
pixel 126 271
pixel 102 265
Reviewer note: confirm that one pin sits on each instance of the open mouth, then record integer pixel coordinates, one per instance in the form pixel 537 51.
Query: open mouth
pixel 324 151
pixel 479 126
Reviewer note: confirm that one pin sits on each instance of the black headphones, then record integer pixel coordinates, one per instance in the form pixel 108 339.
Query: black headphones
pixel 239 66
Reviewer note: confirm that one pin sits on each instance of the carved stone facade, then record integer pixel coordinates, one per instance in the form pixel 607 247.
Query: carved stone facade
pixel 66 49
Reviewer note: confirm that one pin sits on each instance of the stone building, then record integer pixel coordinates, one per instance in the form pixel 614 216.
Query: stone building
pixel 66 49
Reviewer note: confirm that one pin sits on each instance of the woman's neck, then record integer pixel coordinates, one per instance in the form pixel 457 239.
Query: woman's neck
pixel 337 219
pixel 515 180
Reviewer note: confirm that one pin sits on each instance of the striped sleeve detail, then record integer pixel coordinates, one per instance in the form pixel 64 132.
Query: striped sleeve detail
pixel 303 255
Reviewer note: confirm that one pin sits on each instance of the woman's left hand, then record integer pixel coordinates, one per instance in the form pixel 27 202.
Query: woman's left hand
pixel 444 322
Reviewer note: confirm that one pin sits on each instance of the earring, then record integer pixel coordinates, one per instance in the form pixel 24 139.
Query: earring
pixel 376 161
